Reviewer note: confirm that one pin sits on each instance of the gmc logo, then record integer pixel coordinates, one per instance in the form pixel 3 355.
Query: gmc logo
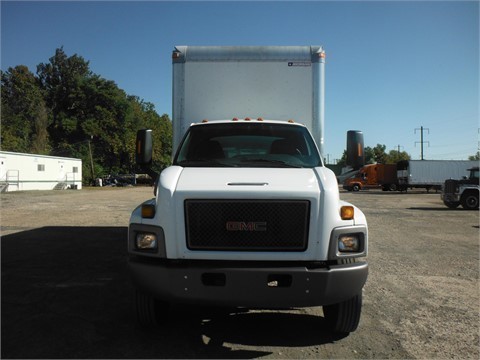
pixel 246 226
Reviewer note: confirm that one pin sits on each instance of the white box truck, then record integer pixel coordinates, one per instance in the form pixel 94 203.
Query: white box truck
pixel 248 215
pixel 430 174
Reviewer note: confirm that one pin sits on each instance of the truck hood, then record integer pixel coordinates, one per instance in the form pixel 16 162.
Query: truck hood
pixel 317 185
pixel 247 183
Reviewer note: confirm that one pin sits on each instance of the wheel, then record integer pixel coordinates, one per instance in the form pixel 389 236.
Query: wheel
pixel 452 204
pixel 393 187
pixel 149 311
pixel 470 200
pixel 356 187
pixel 345 316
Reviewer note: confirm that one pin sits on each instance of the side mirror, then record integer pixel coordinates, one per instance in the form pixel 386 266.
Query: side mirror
pixel 355 149
pixel 143 152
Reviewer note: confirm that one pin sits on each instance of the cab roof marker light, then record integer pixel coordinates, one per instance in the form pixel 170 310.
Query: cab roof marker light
pixel 247 119
pixel 235 119
pixel 291 121
pixel 260 119
pixel 204 121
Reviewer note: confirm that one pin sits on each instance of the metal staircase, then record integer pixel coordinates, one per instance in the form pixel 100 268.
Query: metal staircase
pixel 11 179
pixel 67 183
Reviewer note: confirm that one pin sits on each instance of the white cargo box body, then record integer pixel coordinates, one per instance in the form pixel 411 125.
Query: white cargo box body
pixel 435 172
pixel 276 83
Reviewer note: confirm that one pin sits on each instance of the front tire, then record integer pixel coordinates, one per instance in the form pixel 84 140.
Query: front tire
pixel 345 316
pixel 470 200
pixel 149 311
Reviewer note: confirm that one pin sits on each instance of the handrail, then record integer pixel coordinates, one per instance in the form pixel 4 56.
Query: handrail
pixel 12 178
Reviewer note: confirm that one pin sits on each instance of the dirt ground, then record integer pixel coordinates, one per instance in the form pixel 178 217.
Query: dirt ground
pixel 66 293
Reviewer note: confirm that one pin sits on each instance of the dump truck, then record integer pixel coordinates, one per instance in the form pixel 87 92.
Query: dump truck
pixel 248 215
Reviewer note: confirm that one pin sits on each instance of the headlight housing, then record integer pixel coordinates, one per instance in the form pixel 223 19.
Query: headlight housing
pixel 348 242
pixel 146 240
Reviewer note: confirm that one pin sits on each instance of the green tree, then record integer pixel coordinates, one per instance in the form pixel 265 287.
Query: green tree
pixel 395 156
pixel 369 155
pixel 71 110
pixel 24 113
pixel 379 155
pixel 142 116
pixel 475 157
pixel 61 80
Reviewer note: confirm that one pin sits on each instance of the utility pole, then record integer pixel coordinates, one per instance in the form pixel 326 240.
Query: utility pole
pixel 91 159
pixel 421 140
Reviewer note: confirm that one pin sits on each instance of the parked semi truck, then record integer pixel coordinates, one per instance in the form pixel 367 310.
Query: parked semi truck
pixel 464 191
pixel 373 176
pixel 248 215
pixel 430 174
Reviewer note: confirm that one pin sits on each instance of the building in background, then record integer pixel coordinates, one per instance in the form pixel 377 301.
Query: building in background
pixel 20 172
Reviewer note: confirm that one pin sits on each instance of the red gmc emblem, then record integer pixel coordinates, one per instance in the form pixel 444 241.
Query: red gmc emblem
pixel 246 226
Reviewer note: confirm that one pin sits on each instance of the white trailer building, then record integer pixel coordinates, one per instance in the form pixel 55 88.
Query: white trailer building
pixel 20 172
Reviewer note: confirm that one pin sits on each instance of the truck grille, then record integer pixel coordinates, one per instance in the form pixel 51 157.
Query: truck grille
pixel 247 225
pixel 450 186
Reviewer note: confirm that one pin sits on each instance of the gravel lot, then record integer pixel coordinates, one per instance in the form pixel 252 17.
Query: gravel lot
pixel 66 293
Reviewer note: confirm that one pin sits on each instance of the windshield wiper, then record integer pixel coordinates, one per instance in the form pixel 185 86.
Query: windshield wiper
pixel 272 162
pixel 201 163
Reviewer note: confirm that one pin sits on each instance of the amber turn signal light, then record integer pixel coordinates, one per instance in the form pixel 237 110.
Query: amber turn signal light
pixel 347 212
pixel 148 211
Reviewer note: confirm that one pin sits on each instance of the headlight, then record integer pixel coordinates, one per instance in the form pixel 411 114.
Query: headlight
pixel 146 241
pixel 349 243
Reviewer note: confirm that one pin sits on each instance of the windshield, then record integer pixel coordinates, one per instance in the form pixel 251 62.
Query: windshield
pixel 474 174
pixel 248 145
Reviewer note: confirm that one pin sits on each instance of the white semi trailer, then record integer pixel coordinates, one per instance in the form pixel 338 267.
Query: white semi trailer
pixel 248 215
pixel 430 174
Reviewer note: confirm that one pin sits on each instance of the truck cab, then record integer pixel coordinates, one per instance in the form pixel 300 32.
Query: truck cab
pixel 373 176
pixel 464 192
pixel 366 177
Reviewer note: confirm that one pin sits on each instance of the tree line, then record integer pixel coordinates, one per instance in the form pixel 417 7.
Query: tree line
pixel 379 155
pixel 67 110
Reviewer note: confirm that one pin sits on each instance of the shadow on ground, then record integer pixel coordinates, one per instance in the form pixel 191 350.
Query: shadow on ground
pixel 66 294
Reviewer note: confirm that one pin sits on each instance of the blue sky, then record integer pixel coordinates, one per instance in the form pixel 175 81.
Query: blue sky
pixel 391 66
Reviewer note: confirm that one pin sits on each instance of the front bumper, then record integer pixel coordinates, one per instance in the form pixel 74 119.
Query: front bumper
pixel 450 197
pixel 248 284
